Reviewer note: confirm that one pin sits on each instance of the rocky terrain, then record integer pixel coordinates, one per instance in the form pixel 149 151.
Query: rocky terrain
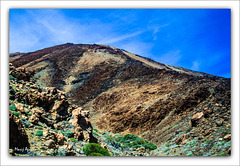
pixel 130 105
pixel 43 122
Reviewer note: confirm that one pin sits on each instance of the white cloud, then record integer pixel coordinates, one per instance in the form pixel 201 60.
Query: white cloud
pixel 137 47
pixel 110 40
pixel 195 66
pixel 155 29
pixel 44 28
pixel 170 58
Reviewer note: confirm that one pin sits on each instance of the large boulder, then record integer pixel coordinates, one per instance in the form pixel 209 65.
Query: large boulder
pixel 83 127
pixel 61 107
pixel 196 119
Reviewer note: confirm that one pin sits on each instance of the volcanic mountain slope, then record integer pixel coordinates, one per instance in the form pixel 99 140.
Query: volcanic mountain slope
pixel 132 94
pixel 42 122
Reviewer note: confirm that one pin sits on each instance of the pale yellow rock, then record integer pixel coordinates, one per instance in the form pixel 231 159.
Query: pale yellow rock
pixel 20 107
pixel 227 136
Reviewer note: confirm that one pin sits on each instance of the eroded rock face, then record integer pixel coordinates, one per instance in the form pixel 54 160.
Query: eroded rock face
pixel 20 73
pixel 18 137
pixel 41 118
pixel 83 127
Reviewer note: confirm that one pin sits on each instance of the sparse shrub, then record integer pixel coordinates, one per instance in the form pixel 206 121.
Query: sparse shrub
pixel 115 153
pixel 128 145
pixel 95 148
pixel 134 141
pixel 113 141
pixel 150 146
pixel 27 113
pixel 61 152
pixel 227 144
pixel 139 141
pixel 73 139
pixel 193 142
pixel 166 150
pixel 15 113
pixel 95 154
pixel 134 146
pixel 95 133
pixel 11 77
pixel 50 117
pixel 26 123
pixel 189 153
pixel 67 133
pixel 12 107
pixel 175 126
pixel 39 127
pixel 222 154
pixel 167 144
pixel 39 133
pixel 96 130
pixel 55 130
pixel 130 137
pixel 23 119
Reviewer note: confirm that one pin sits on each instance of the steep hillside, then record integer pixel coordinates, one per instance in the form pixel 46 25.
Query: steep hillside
pixel 127 93
pixel 42 122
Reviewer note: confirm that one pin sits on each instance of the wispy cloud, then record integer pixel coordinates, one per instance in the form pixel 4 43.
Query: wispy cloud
pixel 137 47
pixel 155 29
pixel 111 40
pixel 171 57
pixel 195 66
pixel 44 28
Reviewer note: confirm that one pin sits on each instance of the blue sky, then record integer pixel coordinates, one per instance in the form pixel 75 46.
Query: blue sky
pixel 197 39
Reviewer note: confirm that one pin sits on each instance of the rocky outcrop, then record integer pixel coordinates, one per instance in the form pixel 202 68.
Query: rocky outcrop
pixel 83 127
pixel 19 73
pixel 40 119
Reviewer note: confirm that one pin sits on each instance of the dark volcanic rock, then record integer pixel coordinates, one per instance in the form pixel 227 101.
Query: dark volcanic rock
pixel 18 140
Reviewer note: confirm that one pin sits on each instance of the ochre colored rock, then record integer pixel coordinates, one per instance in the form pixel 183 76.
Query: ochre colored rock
pixel 33 119
pixel 196 119
pixel 50 143
pixel 20 107
pixel 37 111
pixel 60 138
pixel 227 137
pixel 76 112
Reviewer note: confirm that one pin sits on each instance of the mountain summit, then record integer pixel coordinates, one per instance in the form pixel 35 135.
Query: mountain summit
pixel 128 93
